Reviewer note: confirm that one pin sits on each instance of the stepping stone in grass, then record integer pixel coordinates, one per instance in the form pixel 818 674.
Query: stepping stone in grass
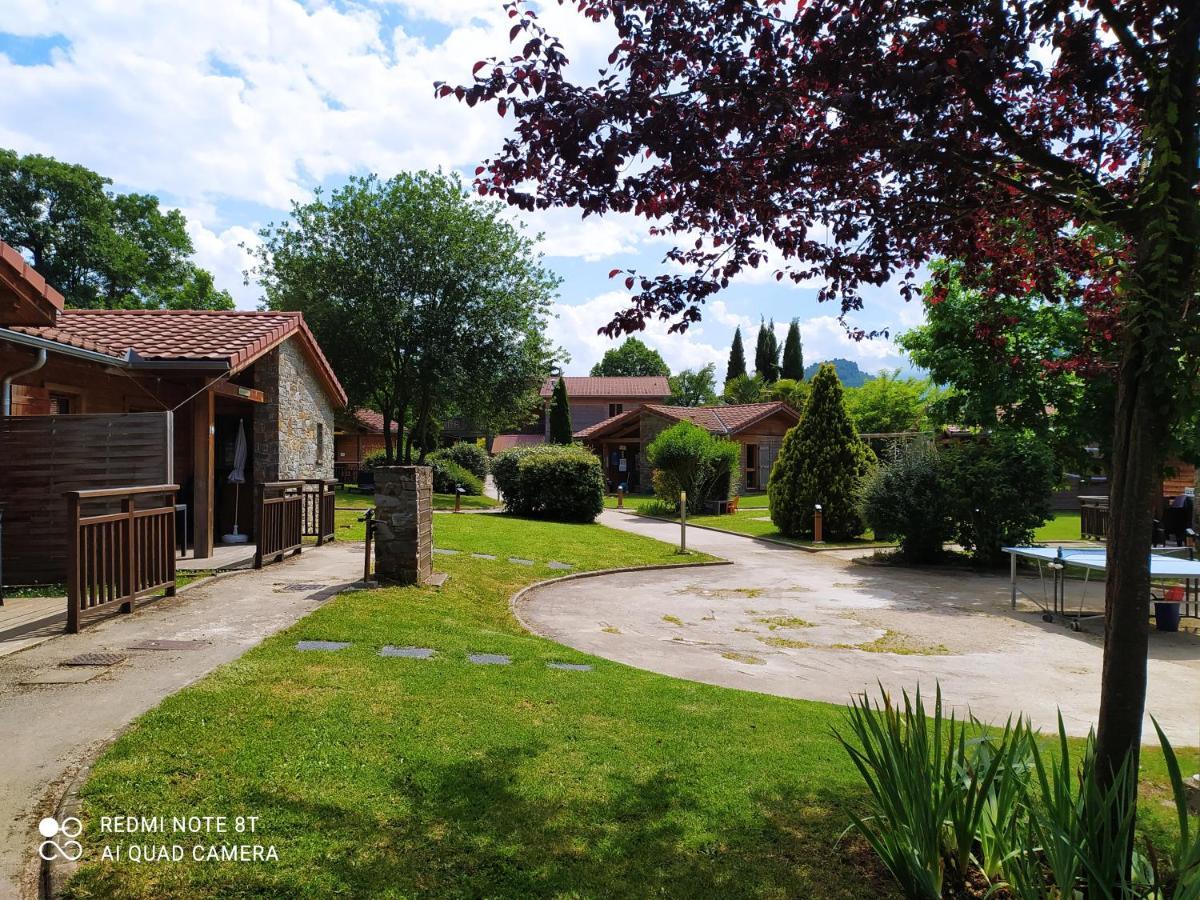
pixel 445 551
pixel 408 652
pixel 322 645
pixel 489 659
pixel 558 565
pixel 519 561
pixel 483 556
pixel 569 667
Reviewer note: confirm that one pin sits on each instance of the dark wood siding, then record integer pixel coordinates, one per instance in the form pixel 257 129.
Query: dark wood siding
pixel 41 457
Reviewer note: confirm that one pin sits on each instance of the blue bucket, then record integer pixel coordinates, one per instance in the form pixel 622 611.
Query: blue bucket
pixel 1166 615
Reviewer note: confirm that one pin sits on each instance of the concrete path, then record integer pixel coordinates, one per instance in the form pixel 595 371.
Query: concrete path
pixel 50 727
pixel 820 627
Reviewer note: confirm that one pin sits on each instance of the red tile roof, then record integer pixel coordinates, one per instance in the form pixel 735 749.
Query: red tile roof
pixel 652 387
pixel 25 298
pixel 233 338
pixel 720 420
pixel 504 442
pixel 373 421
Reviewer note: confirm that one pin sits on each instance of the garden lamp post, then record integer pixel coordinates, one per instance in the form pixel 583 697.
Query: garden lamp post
pixel 818 525
pixel 458 492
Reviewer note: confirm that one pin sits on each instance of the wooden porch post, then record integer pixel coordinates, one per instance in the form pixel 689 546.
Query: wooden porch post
pixel 203 497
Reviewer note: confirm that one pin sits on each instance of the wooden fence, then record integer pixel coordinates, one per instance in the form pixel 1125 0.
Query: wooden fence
pixel 279 520
pixel 113 558
pixel 43 457
pixel 1093 517
pixel 319 500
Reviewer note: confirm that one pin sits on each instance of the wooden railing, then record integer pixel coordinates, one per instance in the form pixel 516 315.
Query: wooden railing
pixel 113 558
pixel 278 519
pixel 1093 517
pixel 319 501
pixel 346 472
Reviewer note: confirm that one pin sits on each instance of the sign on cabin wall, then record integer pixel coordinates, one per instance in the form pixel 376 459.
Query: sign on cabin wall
pixel 42 457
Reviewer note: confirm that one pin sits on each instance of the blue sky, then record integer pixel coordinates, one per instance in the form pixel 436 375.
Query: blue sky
pixel 230 109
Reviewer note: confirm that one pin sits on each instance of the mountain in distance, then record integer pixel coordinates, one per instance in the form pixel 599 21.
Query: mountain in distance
pixel 848 372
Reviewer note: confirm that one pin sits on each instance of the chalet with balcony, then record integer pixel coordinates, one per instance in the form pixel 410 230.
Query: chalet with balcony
pixel 101 399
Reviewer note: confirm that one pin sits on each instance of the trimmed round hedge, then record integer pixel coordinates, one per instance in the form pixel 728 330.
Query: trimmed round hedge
pixel 554 481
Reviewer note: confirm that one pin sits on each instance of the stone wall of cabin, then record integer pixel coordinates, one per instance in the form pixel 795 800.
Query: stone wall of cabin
pixel 293 429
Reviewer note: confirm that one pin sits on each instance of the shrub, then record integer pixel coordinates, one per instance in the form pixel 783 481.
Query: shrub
pixel 955 800
pixel 448 476
pixel 1000 491
pixel 822 461
pixel 470 456
pixel 505 474
pixel 373 460
pixel 904 498
pixel 687 458
pixel 562 482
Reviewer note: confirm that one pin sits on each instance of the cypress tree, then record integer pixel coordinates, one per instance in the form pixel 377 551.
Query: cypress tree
pixel 737 357
pixel 560 415
pixel 772 353
pixel 822 460
pixel 793 354
pixel 766 354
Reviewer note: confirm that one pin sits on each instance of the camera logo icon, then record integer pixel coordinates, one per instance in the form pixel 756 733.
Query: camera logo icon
pixel 69 849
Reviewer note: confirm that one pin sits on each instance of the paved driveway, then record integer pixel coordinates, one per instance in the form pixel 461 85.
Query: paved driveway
pixel 49 727
pixel 820 627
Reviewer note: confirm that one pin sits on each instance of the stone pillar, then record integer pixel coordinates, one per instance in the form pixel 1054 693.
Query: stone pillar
pixel 404 524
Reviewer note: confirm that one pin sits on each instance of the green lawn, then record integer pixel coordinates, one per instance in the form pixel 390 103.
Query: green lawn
pixel 376 777
pixel 390 777
pixel 1064 526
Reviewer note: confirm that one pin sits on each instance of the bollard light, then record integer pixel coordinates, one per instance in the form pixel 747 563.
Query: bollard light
pixel 459 490
pixel 621 497
pixel 683 521
pixel 818 525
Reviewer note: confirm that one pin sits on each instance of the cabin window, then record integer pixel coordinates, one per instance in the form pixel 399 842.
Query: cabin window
pixel 63 404
pixel 615 409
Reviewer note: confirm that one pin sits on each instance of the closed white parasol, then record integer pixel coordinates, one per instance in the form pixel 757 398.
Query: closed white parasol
pixel 237 477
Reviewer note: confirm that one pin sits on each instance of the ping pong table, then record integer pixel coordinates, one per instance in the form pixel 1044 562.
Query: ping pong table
pixel 1056 560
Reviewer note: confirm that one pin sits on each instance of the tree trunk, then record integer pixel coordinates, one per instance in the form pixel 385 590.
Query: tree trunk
pixel 1138 441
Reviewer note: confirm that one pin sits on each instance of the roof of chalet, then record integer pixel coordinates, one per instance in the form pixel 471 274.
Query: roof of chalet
pixel 719 420
pixel 504 442
pixel 25 297
pixel 372 421
pixel 233 338
pixel 652 387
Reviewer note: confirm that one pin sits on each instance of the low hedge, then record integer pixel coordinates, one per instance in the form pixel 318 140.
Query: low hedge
pixel 564 483
pixel 449 475
pixel 470 456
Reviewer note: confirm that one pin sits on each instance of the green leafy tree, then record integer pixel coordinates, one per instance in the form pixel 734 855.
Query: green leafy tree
pixel 687 458
pixel 888 404
pixel 766 353
pixel 744 389
pixel 793 393
pixel 101 249
pixel 1000 491
pixel 736 368
pixel 560 415
pixel 793 354
pixel 999 379
pixel 694 388
pixel 631 358
pixel 427 301
pixel 822 461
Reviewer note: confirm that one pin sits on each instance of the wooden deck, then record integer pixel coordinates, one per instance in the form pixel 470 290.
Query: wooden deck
pixel 25 621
